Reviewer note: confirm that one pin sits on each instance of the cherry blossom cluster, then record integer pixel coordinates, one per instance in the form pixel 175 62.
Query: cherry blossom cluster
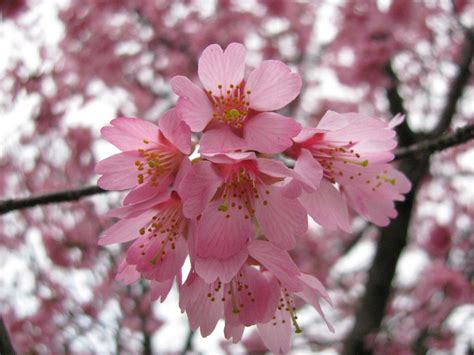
pixel 229 203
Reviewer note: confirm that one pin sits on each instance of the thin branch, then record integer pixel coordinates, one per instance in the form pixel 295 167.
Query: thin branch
pixel 430 146
pixel 457 86
pixel 188 345
pixel 426 147
pixel 6 347
pixel 55 197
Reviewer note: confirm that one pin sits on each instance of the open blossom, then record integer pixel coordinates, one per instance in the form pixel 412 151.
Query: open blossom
pixel 151 155
pixel 160 233
pixel 234 112
pixel 262 292
pixel 232 193
pixel 350 154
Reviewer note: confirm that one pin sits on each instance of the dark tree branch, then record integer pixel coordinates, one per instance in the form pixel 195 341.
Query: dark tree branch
pixel 188 345
pixel 457 87
pixel 6 347
pixel 396 106
pixel 393 238
pixel 55 197
pixel 426 147
pixel 430 146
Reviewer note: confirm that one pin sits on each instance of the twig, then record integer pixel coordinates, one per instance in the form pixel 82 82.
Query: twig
pixel 188 346
pixel 6 347
pixel 55 197
pixel 430 146
pixel 458 85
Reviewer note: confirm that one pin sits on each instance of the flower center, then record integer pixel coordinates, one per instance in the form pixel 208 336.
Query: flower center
pixel 230 105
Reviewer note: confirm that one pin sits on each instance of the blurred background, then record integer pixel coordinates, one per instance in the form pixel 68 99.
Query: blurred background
pixel 68 67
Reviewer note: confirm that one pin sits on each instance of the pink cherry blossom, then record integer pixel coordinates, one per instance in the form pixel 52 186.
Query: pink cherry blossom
pixel 234 192
pixel 160 233
pixel 351 153
pixel 261 293
pixel 151 155
pixel 233 111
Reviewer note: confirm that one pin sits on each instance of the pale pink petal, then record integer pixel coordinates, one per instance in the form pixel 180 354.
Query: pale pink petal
pixel 309 170
pixel 397 120
pixel 275 168
pixel 305 134
pixel 183 170
pixel 127 273
pixel 146 191
pixel 160 290
pixel 326 206
pixel 220 140
pixel 222 233
pixel 176 131
pixel 198 187
pixel 225 269
pixel 279 217
pixel 233 332
pixel 272 86
pixel 128 133
pixel 276 334
pixel 230 157
pixel 278 262
pixel 119 171
pixel 136 209
pixel 193 104
pixel 217 67
pixel 313 290
pixel 126 229
pixel 270 132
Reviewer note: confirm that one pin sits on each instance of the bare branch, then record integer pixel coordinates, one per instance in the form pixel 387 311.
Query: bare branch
pixel 430 146
pixel 55 197
pixel 458 84
pixel 6 347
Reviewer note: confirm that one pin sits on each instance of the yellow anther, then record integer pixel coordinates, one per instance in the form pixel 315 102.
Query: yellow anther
pixel 232 113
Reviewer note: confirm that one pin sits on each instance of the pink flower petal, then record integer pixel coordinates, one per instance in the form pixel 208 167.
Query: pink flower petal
pixel 313 290
pixel 128 133
pixel 198 187
pixel 270 133
pixel 127 273
pixel 275 168
pixel 217 67
pixel 278 262
pixel 119 171
pixel 326 206
pixel 146 191
pixel 272 86
pixel 160 290
pixel 276 334
pixel 225 269
pixel 126 229
pixel 193 103
pixel 279 217
pixel 220 140
pixel 176 131
pixel 221 234
pixel 234 332
pixel 309 170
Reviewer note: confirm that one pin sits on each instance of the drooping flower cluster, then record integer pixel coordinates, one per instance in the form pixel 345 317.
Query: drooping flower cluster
pixel 235 209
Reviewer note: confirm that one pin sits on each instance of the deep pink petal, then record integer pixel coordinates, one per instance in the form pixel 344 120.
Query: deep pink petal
pixel 217 67
pixel 146 191
pixel 220 140
pixel 270 132
pixel 279 217
pixel 193 104
pixel 119 171
pixel 128 133
pixel 278 262
pixel 272 86
pixel 222 233
pixel 327 207
pixel 225 269
pixel 176 130
pixel 233 332
pixel 126 229
pixel 198 187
